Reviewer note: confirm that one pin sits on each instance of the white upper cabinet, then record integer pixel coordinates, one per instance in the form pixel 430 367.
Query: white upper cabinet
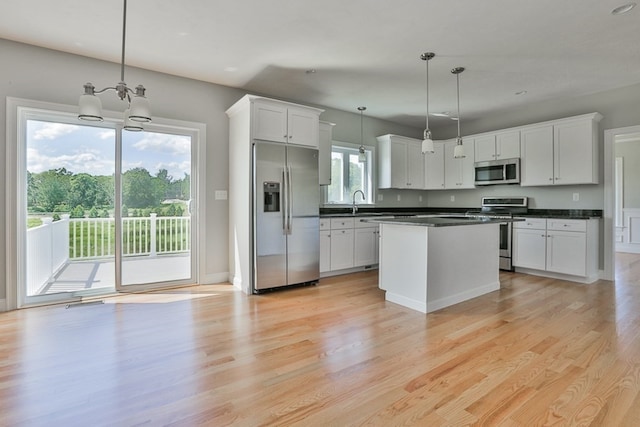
pixel 434 167
pixel 284 122
pixel 502 145
pixel 536 148
pixel 400 163
pixel 561 153
pixel 324 152
pixel 507 145
pixel 459 173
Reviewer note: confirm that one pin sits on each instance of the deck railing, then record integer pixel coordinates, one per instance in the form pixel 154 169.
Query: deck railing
pixel 54 244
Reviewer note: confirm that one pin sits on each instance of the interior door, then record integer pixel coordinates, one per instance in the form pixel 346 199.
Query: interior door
pixel 270 203
pixel 304 239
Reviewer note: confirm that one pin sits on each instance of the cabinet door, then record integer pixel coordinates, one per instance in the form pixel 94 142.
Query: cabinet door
pixel 302 127
pixel 485 148
pixel 566 252
pixel 573 153
pixel 452 167
pixel 365 249
pixel 325 136
pixel 529 248
pixel 341 249
pixel 536 150
pixel 467 170
pixel 325 251
pixel 434 168
pixel 269 122
pixel 398 164
pixel 415 172
pixel 507 145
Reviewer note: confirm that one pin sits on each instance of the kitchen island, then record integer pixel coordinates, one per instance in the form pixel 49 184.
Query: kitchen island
pixel 428 263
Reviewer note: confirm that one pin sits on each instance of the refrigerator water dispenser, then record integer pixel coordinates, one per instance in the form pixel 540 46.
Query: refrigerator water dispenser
pixel 271 191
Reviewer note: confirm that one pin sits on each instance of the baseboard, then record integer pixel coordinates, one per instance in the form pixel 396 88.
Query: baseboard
pixel 460 297
pixel 406 302
pixel 631 248
pixel 210 279
pixel 348 271
pixel 3 305
pixel 578 279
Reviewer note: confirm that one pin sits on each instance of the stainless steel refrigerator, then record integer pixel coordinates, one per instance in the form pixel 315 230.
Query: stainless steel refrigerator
pixel 286 198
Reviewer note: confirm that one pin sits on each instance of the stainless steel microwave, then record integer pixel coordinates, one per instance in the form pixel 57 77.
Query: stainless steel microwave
pixel 493 172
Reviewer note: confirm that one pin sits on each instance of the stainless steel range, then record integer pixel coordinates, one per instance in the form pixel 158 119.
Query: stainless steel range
pixel 502 207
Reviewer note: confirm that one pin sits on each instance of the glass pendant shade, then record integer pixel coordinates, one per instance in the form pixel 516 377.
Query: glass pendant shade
pixel 458 151
pixel 427 143
pixel 140 108
pixel 362 156
pixel 129 124
pixel 90 108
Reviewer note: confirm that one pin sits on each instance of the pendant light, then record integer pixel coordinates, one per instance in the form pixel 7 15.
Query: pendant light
pixel 458 151
pixel 137 111
pixel 362 156
pixel 427 142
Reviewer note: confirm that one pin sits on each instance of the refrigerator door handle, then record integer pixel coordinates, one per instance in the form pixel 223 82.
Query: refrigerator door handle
pixel 290 197
pixel 285 201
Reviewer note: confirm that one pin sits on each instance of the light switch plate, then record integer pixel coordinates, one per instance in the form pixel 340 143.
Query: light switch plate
pixel 453 198
pixel 221 195
pixel 419 198
pixel 576 197
pixel 379 197
pixel 398 197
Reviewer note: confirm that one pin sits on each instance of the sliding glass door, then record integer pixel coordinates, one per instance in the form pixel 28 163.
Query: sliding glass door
pixel 103 209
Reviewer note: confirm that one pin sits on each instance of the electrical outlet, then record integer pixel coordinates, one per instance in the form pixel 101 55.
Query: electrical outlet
pixel 380 197
pixel 453 198
pixel 399 197
pixel 576 197
pixel 220 195
pixel 419 198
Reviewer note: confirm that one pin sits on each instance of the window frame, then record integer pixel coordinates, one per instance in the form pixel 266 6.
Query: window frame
pixel 348 146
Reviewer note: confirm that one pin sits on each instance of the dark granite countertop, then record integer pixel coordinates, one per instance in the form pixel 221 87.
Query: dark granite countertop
pixel 441 221
pixel 409 212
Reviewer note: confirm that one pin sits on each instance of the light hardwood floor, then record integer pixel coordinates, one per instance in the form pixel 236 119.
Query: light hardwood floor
pixel 537 352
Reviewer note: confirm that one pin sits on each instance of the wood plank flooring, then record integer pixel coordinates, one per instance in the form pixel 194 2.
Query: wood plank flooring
pixel 537 352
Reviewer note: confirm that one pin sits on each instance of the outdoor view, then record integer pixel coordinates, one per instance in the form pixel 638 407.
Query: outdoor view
pixel 348 174
pixel 71 206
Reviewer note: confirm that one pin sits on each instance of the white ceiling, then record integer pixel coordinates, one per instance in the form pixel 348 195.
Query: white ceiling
pixel 365 52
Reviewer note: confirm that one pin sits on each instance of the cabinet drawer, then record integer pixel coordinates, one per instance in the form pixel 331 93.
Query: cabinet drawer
pixel 325 224
pixel 360 223
pixel 567 225
pixel 341 223
pixel 535 223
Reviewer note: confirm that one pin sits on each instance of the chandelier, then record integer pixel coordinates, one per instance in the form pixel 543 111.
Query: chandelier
pixel 138 110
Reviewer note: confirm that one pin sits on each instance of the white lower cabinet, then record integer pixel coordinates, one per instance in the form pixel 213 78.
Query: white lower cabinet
pixel 347 243
pixel 562 246
pixel 366 246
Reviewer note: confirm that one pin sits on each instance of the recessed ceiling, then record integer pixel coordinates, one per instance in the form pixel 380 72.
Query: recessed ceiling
pixel 363 52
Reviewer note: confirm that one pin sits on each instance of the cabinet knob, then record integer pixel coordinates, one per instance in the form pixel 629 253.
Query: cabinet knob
pixel 284 136
pixel 290 136
pixel 550 179
pixel 542 235
pixel 557 178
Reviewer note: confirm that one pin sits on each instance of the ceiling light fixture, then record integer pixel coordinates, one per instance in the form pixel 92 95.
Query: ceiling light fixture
pixel 458 152
pixel 362 155
pixel 138 111
pixel 427 142
pixel 623 9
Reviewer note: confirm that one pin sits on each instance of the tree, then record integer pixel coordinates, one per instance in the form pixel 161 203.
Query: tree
pixel 84 190
pixel 50 188
pixel 139 189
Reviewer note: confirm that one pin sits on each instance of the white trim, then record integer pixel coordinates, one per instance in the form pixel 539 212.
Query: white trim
pixel 619 191
pixel 214 278
pixel 609 208
pixel 461 297
pixel 332 273
pixel 406 302
pixel 569 277
pixel 3 305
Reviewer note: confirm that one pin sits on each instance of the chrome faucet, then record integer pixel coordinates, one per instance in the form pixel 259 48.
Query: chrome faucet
pixel 354 208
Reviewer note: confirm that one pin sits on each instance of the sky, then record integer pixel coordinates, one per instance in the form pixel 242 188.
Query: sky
pixel 89 149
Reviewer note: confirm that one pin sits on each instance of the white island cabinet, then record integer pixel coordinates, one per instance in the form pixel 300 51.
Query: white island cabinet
pixel 430 263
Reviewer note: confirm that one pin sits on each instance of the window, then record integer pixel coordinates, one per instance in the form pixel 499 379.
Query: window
pixel 349 175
